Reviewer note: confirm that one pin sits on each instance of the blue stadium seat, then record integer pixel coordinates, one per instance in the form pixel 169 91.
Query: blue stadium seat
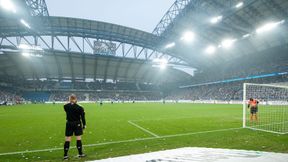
pixel 36 96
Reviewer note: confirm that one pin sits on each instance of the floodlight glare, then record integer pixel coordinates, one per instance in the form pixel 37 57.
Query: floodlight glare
pixel 163 66
pixel 216 19
pixel 269 26
pixel 160 66
pixel 161 63
pixel 210 49
pixel 240 4
pixel 26 54
pixel 7 5
pixel 30 47
pixel 25 23
pixel 227 43
pixel 281 22
pixel 24 46
pixel 188 36
pixel 170 45
pixel 160 60
pixel 246 36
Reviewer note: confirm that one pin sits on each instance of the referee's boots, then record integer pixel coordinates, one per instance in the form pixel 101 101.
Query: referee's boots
pixel 65 158
pixel 81 155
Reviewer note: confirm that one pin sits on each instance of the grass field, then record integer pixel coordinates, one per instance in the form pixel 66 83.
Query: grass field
pixel 124 129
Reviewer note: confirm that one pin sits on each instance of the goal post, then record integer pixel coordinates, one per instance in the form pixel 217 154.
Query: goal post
pixel 244 105
pixel 272 113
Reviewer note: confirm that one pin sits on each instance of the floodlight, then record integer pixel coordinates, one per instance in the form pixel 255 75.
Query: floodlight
pixel 26 54
pixel 170 45
pixel 281 22
pixel 161 63
pixel 160 60
pixel 25 23
pixel 269 26
pixel 156 60
pixel 30 47
pixel 210 49
pixel 7 5
pixel 163 66
pixel 246 35
pixel 216 19
pixel 226 43
pixel 24 46
pixel 188 36
pixel 240 4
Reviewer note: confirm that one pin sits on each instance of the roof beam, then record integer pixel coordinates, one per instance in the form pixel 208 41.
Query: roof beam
pixel 37 7
pixel 60 27
pixel 170 15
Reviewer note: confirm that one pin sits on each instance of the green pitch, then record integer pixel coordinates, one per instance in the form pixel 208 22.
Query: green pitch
pixel 124 129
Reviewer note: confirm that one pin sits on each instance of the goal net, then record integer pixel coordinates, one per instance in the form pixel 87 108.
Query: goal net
pixel 272 113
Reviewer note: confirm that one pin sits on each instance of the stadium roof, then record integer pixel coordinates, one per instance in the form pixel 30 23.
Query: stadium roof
pixel 56 65
pixel 218 24
pixel 55 57
pixel 215 32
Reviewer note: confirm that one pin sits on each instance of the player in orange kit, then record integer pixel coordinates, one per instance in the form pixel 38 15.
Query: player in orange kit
pixel 253 105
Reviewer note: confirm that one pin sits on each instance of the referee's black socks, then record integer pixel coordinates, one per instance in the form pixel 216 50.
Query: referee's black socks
pixel 66 147
pixel 79 147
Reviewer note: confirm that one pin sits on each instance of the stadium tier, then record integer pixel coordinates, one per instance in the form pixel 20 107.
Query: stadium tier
pixel 43 91
pixel 36 96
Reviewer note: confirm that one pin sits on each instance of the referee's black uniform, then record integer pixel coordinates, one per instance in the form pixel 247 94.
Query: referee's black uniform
pixel 74 115
pixel 75 124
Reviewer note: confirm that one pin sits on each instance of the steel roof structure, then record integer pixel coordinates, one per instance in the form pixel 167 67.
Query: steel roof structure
pixel 56 65
pixel 65 47
pixel 239 23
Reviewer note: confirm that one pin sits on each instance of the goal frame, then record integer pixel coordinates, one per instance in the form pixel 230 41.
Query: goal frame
pixel 244 125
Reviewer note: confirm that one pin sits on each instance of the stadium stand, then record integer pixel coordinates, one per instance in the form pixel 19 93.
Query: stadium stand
pixel 222 91
pixel 36 96
pixel 9 97
pixel 43 91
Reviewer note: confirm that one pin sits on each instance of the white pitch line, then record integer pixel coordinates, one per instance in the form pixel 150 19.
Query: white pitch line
pixel 123 141
pixel 187 117
pixel 143 129
pixel 266 130
pixel 203 132
pixel 153 119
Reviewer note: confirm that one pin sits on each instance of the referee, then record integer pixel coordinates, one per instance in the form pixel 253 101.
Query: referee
pixel 74 115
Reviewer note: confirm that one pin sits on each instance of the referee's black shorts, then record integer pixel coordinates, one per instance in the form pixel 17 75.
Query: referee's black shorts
pixel 73 128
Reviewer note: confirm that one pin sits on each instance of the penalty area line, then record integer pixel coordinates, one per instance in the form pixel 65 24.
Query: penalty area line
pixel 123 141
